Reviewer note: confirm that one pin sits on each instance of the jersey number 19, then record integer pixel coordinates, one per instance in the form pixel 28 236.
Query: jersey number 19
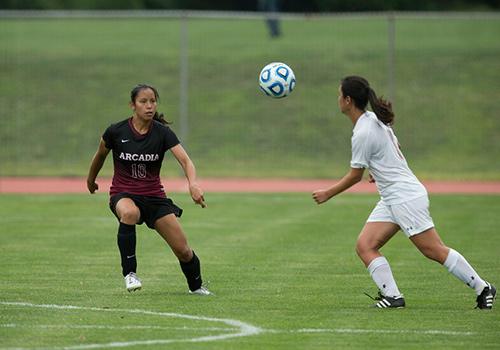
pixel 139 171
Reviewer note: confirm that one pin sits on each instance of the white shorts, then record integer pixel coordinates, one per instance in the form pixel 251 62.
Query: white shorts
pixel 412 217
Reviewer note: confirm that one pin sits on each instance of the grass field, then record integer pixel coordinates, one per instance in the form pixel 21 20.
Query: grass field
pixel 65 80
pixel 283 270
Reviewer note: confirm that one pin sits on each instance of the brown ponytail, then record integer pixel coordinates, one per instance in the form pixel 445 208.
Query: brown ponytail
pixel 361 93
pixel 382 108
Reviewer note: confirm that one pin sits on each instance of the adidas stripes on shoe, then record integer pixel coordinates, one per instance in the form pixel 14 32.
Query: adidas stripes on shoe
pixel 384 302
pixel 388 302
pixel 487 297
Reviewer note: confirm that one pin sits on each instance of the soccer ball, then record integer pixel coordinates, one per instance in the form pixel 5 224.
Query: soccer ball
pixel 277 80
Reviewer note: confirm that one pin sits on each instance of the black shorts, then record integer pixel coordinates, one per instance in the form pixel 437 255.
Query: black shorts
pixel 151 208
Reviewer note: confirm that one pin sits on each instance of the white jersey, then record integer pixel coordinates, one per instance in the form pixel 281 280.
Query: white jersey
pixel 375 147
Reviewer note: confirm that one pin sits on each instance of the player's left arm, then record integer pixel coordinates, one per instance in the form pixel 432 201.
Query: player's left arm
pixel 351 178
pixel 190 171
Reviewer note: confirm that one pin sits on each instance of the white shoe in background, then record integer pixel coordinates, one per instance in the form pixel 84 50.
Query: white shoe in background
pixel 132 282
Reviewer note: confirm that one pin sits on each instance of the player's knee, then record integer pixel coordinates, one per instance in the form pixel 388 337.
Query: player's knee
pixel 184 254
pixel 367 250
pixel 362 248
pixel 358 249
pixel 129 217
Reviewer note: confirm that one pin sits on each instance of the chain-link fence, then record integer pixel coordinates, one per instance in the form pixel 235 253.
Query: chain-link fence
pixel 65 76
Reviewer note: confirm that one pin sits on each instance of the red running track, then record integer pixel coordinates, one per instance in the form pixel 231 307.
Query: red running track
pixel 78 185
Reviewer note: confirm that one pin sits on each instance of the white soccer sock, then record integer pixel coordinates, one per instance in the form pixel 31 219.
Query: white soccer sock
pixel 458 266
pixel 381 273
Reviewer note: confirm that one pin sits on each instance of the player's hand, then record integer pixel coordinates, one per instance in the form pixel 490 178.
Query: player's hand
pixel 92 186
pixel 371 179
pixel 197 195
pixel 320 196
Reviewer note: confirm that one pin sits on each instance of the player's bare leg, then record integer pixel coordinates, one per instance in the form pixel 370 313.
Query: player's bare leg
pixel 169 228
pixel 431 245
pixel 374 236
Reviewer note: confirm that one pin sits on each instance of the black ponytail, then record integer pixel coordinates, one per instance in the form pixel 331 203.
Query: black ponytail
pixel 159 117
pixel 361 93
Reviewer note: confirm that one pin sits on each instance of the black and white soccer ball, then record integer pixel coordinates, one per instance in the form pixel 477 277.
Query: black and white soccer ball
pixel 277 80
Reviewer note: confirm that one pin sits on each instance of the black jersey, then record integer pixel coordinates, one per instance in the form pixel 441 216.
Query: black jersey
pixel 137 158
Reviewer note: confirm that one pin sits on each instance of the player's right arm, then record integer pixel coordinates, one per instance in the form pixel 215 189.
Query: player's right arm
pixel 96 166
pixel 351 178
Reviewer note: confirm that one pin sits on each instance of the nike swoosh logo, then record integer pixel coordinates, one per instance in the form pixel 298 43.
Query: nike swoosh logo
pixel 129 257
pixel 123 141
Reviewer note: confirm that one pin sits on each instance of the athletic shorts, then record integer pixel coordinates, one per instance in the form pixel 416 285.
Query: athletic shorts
pixel 412 217
pixel 151 208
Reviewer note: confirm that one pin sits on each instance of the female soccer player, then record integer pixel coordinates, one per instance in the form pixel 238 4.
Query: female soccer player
pixel 404 201
pixel 136 194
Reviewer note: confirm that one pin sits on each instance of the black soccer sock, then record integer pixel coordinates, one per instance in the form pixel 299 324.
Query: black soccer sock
pixel 192 272
pixel 126 244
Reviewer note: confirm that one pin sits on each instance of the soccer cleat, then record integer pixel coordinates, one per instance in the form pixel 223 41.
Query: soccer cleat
pixel 487 297
pixel 388 302
pixel 201 291
pixel 132 282
pixel 384 302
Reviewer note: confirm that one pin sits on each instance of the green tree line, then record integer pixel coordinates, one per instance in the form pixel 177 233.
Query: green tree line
pixel 245 5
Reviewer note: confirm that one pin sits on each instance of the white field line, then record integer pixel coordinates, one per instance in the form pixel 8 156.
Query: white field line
pixel 373 331
pixel 242 329
pixel 98 326
pixel 227 329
